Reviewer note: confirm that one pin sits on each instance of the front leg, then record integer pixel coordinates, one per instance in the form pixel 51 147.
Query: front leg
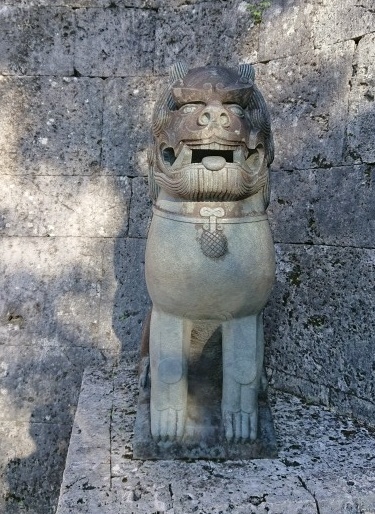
pixel 243 348
pixel 169 347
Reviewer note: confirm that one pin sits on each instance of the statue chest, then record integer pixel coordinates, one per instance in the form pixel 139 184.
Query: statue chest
pixel 209 267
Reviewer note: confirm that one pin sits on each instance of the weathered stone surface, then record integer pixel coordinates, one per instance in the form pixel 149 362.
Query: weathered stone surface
pixel 50 291
pixel 320 319
pixel 129 302
pixel 308 102
pixel 50 126
pixel 39 393
pixel 123 296
pixel 246 31
pixel 90 442
pixel 41 386
pixel 360 408
pixel 353 494
pixel 313 392
pixel 114 42
pixel 36 40
pixel 292 19
pixel 314 445
pixel 33 459
pixel 64 206
pixel 143 4
pixel 360 131
pixel 204 34
pixel 339 20
pixel 140 209
pixel 107 334
pixel 126 124
pixel 124 409
pixel 325 206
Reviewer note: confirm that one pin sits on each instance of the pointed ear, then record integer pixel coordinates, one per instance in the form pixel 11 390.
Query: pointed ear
pixel 177 71
pixel 246 72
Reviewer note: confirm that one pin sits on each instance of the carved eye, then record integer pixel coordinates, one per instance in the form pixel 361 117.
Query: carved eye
pixel 237 110
pixel 189 108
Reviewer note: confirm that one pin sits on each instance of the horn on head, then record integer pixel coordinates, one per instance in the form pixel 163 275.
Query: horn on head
pixel 247 72
pixel 177 71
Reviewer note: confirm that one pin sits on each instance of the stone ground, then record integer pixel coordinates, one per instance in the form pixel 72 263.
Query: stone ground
pixel 325 463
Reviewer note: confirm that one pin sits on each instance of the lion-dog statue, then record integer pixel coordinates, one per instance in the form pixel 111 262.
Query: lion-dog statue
pixel 209 254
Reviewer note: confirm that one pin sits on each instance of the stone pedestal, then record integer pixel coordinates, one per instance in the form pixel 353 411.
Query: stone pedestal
pixel 204 437
pixel 204 434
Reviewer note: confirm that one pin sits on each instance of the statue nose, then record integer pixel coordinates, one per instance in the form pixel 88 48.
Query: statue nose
pixel 214 116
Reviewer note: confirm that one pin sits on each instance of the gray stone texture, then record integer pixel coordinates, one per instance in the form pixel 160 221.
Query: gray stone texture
pixel 130 301
pixel 127 124
pixel 203 35
pixel 39 389
pixel 339 20
pixel 36 41
pixel 73 292
pixel 324 331
pixel 50 125
pixel 311 474
pixel 361 119
pixel 114 42
pixel 308 102
pixel 140 209
pixel 64 206
pixel 141 4
pixel 33 458
pixel 333 206
pixel 292 19
pixel 49 286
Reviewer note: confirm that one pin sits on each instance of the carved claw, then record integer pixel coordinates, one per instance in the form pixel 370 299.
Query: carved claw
pixel 240 426
pixel 167 425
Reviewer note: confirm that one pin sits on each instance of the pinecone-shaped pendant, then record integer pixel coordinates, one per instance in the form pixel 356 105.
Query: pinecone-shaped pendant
pixel 213 244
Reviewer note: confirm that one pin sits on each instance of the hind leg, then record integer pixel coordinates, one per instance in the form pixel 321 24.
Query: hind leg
pixel 169 347
pixel 243 347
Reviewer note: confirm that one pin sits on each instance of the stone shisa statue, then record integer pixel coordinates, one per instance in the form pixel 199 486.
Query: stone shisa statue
pixel 209 258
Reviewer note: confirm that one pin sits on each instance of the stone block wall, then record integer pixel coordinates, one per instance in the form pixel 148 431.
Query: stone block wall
pixel 78 79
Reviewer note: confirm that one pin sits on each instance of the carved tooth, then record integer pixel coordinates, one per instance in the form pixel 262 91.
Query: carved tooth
pixel 238 155
pixel 184 157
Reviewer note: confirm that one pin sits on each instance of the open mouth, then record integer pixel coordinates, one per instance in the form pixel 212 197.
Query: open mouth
pixel 200 155
pixel 210 171
pixel 212 156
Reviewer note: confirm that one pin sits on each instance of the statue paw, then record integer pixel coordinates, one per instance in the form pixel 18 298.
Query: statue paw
pixel 240 427
pixel 167 424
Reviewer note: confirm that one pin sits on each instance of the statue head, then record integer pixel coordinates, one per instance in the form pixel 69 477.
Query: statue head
pixel 212 136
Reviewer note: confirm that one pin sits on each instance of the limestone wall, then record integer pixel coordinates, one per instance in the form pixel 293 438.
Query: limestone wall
pixel 78 79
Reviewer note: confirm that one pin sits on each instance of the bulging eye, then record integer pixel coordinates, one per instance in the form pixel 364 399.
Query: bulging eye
pixel 237 110
pixel 189 108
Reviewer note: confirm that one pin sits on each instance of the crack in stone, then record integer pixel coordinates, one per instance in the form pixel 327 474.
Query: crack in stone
pixel 110 428
pixel 303 483
pixel 357 40
pixel 309 243
pixel 171 494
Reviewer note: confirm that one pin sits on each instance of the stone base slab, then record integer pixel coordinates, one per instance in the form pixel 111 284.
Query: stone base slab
pixel 325 462
pixel 204 440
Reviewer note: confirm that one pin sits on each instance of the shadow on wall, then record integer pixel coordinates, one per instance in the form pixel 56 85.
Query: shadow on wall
pixel 42 369
pixel 49 309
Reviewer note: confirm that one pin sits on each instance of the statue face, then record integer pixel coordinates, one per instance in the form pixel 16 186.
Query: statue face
pixel 207 150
